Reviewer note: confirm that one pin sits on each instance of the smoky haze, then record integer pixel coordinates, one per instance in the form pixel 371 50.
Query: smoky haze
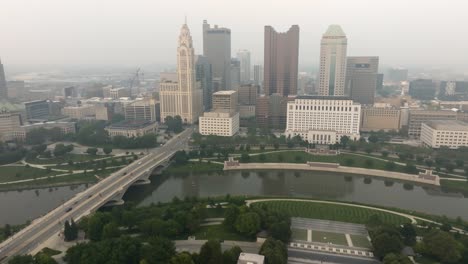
pixel 136 32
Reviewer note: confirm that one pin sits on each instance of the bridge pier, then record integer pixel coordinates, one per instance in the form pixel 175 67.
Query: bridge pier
pixel 141 182
pixel 114 203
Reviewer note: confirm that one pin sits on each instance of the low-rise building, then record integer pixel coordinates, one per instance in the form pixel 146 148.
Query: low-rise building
pixel 21 132
pixel 11 118
pixel 37 110
pixel 219 123
pixel 131 128
pixel 380 118
pixel 225 101
pixel 249 258
pixel 445 133
pixel 417 117
pixel 80 112
pixel 141 110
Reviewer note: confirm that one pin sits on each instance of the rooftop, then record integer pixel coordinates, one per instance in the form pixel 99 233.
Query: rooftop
pixel 229 92
pixel 252 257
pixel 321 97
pixel 448 125
pixel 334 31
pixel 131 124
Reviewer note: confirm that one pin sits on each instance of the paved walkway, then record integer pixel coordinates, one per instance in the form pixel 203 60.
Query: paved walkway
pixel 412 218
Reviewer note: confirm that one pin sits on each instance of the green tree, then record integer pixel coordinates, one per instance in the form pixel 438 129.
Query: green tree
pixel 110 230
pixel 7 231
pixel 390 166
pixel 210 253
pixel 92 151
pixel 369 163
pixel 182 258
pixel 385 243
pixel 262 157
pixel 230 216
pixel 248 223
pixel 42 258
pixel 409 234
pixel 275 251
pixel 281 231
pixel 393 258
pixel 442 246
pixel 245 158
pixel 107 150
pixel 276 145
pixel 344 141
pixel 22 259
pixel 231 255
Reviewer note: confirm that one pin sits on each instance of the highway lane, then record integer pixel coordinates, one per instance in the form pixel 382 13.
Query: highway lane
pixel 89 200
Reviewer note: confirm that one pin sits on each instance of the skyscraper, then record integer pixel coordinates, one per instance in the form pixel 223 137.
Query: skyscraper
pixel 361 78
pixel 182 98
pixel 204 76
pixel 3 85
pixel 333 62
pixel 244 57
pixel 281 54
pixel 217 48
pixel 258 75
pixel 235 74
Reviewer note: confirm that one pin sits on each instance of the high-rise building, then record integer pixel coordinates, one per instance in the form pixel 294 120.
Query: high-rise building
pixel 333 62
pixel 270 111
pixel 205 78
pixel 281 54
pixel 422 89
pixel 37 110
pixel 361 78
pixel 225 101
pixel 3 84
pixel 248 94
pixel 235 74
pixel 323 119
pixel 182 98
pixel 217 48
pixel 258 75
pixel 244 57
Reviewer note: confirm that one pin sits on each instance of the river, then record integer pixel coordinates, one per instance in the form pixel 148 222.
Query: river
pixel 18 207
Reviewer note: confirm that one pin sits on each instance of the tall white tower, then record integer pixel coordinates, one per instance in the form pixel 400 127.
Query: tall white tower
pixel 244 57
pixel 185 97
pixel 333 62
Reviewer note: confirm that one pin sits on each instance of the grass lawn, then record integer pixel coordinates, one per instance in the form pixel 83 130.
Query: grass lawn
pixel 329 237
pixel 194 167
pixel 66 158
pixel 215 213
pixel 90 165
pixel 50 252
pixel 455 186
pixel 360 241
pixel 298 234
pixel 332 212
pixel 344 159
pixel 16 173
pixel 425 260
pixel 218 232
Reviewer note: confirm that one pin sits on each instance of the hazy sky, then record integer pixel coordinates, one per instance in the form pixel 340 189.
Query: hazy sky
pixel 140 32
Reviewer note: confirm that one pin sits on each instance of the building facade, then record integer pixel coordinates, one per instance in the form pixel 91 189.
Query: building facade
pixel 225 101
pixel 217 48
pixel 37 110
pixel 219 124
pixel 235 74
pixel 132 128
pixel 3 83
pixel 323 120
pixel 20 133
pixel 445 133
pixel 248 94
pixel 380 118
pixel 10 120
pixel 422 89
pixel 361 79
pixel 80 112
pixel 281 53
pixel 141 110
pixel 332 71
pixel 258 75
pixel 182 98
pixel 271 111
pixel 205 78
pixel 244 57
pixel 417 117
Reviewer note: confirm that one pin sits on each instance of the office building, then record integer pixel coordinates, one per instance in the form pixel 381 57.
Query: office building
pixel 70 92
pixel 11 118
pixel 361 79
pixel 248 258
pixel 323 119
pixel 141 110
pixel 281 54
pixel 270 111
pixel 183 98
pixel 417 117
pixel 3 83
pixel 258 75
pixel 332 71
pixel 37 110
pixel 380 118
pixel 445 133
pixel 204 77
pixel 380 79
pixel 225 101
pixel 235 74
pixel 217 48
pixel 246 112
pixel 244 57
pixel 21 132
pixel 397 75
pixel 453 90
pixel 248 94
pixel 219 123
pixel 131 128
pixel 103 111
pixel 422 89
pixel 80 112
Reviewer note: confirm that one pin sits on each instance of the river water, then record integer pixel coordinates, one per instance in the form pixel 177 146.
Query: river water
pixel 18 207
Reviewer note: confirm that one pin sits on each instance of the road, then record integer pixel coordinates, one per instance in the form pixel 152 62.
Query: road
pixel 88 201
pixel 299 256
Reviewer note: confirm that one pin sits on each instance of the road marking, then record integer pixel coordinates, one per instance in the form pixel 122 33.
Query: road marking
pixel 309 235
pixel 349 240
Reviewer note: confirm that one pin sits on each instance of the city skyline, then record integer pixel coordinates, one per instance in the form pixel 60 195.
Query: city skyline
pixel 138 36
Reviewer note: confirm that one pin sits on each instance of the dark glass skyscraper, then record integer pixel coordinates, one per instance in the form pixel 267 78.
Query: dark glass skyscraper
pixel 3 85
pixel 281 61
pixel 217 48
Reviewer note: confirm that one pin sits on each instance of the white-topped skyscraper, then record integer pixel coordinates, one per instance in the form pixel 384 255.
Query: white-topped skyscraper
pixel 183 98
pixel 333 62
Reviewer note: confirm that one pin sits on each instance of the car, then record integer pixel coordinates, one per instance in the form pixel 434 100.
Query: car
pixel 89 196
pixel 139 163
pixel 68 209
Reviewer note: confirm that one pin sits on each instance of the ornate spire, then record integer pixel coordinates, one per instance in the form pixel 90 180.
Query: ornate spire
pixel 185 39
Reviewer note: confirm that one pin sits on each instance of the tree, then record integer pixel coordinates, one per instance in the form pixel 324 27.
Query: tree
pixel 230 216
pixel 393 258
pixel 429 162
pixel 245 158
pixel 210 253
pixel 384 153
pixel 7 231
pixel 369 163
pixel 248 223
pixel 276 145
pixel 262 157
pixel 107 150
pixel 22 259
pixel 409 234
pixel 390 166
pixel 281 231
pixel 67 231
pixel 181 157
pixel 92 151
pixel 174 124
pixel 61 150
pixel 442 246
pixel 344 141
pixel 110 230
pixel 349 162
pixel 385 243
pixel 231 256
pixel 373 138
pixel 275 251
pixel 182 258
